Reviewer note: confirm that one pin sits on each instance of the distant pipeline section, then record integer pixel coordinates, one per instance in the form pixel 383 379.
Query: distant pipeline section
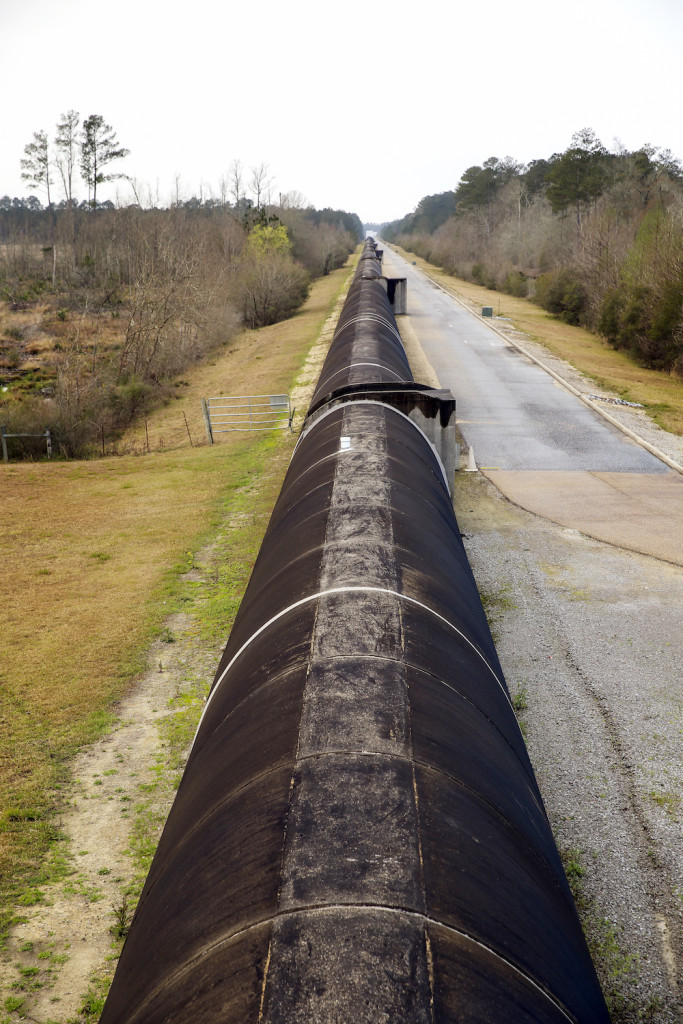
pixel 358 836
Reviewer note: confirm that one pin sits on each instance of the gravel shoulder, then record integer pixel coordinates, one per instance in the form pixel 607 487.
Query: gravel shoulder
pixel 589 638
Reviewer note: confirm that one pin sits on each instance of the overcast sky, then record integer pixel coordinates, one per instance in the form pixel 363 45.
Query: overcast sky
pixel 363 106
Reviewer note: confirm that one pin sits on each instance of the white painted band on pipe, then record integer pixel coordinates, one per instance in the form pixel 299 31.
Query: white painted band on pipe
pixel 352 366
pixel 369 318
pixel 342 404
pixel 325 593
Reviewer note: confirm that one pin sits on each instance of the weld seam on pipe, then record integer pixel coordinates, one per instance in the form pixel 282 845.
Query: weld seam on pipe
pixel 327 593
pixel 368 318
pixel 320 661
pixel 381 908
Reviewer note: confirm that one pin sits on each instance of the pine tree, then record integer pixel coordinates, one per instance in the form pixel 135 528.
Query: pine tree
pixel 99 146
pixel 35 164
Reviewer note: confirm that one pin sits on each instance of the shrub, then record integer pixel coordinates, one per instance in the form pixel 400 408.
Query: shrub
pixel 609 316
pixel 648 322
pixel 516 284
pixel 560 292
pixel 665 342
pixel 271 288
pixel 478 273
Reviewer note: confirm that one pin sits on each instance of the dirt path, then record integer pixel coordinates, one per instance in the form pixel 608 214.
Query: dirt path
pixel 123 787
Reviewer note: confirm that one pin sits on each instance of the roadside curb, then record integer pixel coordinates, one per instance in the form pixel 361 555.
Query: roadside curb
pixel 560 380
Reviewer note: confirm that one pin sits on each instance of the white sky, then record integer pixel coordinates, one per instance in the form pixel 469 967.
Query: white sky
pixel 364 106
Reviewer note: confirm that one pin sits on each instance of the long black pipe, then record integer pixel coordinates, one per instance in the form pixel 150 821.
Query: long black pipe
pixel 358 835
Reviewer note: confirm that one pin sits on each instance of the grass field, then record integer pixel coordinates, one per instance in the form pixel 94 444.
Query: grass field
pixel 660 393
pixel 92 555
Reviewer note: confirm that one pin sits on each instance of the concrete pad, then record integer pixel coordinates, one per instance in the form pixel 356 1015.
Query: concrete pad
pixel 639 511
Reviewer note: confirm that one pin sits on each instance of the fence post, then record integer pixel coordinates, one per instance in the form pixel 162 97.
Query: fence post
pixel 48 438
pixel 5 456
pixel 207 420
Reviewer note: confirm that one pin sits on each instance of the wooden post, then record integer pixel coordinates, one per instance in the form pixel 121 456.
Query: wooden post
pixel 207 420
pixel 48 438
pixel 5 456
pixel 188 430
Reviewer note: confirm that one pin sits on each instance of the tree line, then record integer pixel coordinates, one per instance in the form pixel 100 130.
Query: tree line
pixel 593 235
pixel 104 306
pixel 91 146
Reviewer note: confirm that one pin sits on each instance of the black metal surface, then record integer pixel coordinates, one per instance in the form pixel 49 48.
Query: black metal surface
pixel 366 347
pixel 358 835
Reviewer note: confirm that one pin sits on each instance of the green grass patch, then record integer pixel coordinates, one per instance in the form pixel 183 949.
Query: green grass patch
pixel 496 603
pixel 520 700
pixel 669 802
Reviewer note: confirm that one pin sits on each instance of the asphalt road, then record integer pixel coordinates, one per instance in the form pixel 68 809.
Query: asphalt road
pixel 540 445
pixel 512 413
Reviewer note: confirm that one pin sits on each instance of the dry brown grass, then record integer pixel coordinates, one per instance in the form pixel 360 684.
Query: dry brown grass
pixel 660 393
pixel 253 363
pixel 91 551
pixel 34 341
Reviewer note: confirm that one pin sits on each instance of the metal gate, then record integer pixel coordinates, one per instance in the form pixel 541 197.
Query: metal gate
pixel 246 412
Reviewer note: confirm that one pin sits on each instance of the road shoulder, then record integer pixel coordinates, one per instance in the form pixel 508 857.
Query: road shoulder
pixel 637 511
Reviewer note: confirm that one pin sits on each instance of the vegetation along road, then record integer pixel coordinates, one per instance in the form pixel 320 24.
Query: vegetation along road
pixel 588 630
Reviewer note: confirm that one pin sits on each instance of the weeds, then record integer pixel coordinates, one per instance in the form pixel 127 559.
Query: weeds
pixel 94 1000
pixel 618 970
pixel 520 702
pixel 122 917
pixel 668 801
pixel 495 603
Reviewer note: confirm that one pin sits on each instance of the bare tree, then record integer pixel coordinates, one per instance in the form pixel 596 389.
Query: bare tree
pixel 260 182
pixel 136 188
pixel 293 200
pixel 177 300
pixel 236 181
pixel 153 197
pixel 66 144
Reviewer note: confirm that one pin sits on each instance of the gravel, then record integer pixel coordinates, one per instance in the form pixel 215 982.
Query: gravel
pixel 589 638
